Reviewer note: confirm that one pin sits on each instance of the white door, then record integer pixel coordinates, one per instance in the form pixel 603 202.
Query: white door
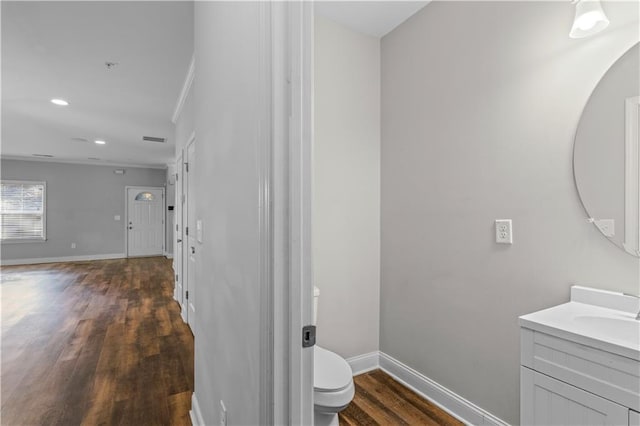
pixel 145 221
pixel 191 235
pixel 185 239
pixel 179 292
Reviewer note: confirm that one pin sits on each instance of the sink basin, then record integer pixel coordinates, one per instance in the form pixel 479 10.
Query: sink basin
pixel 625 329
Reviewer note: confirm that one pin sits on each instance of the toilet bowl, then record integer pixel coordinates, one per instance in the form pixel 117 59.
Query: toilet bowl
pixel 333 387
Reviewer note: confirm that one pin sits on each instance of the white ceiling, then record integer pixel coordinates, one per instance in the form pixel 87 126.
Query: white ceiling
pixel 59 50
pixel 374 18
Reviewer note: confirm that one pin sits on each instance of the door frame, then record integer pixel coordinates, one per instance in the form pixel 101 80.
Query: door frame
pixel 186 177
pixel 126 215
pixel 178 247
pixel 287 166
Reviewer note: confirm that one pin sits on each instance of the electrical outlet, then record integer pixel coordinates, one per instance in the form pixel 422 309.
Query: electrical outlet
pixel 223 414
pixel 73 245
pixel 504 231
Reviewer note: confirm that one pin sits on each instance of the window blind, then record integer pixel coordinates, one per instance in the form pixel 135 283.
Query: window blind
pixel 22 210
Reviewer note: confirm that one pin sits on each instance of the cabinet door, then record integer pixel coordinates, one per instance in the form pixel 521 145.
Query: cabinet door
pixel 547 401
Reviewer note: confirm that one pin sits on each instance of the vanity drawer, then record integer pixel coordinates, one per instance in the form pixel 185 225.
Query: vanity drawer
pixel 611 376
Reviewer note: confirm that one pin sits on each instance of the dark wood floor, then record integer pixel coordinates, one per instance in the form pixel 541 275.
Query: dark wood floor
pixel 94 343
pixel 102 343
pixel 381 400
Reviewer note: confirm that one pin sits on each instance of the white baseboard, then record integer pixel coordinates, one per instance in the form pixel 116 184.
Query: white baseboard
pixel 168 255
pixel 363 363
pixel 195 413
pixel 448 400
pixel 183 312
pixel 33 261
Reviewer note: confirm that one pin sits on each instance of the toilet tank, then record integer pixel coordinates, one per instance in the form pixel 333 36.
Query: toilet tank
pixel 316 294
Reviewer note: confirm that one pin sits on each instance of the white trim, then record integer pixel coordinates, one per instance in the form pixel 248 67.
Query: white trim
pixel 297 169
pixel 364 363
pixel 446 399
pixel 195 413
pixel 265 101
pixel 85 162
pixel 188 81
pixel 36 260
pixel 188 177
pixel 168 256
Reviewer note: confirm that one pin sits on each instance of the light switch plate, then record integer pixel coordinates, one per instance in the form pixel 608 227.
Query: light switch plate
pixel 504 231
pixel 199 230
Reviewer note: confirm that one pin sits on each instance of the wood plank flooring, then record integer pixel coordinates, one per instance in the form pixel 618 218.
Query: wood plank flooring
pixel 102 343
pixel 381 400
pixel 93 343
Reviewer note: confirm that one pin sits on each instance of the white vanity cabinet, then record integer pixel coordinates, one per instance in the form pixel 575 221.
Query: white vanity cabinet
pixel 575 370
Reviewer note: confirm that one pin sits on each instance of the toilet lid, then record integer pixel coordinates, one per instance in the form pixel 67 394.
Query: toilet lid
pixel 330 371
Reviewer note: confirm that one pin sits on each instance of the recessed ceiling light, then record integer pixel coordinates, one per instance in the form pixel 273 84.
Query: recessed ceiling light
pixel 100 142
pixel 60 102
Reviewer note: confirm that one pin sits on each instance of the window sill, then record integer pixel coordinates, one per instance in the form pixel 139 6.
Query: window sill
pixel 25 240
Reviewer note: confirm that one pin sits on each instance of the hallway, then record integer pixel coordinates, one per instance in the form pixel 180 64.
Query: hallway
pixel 98 342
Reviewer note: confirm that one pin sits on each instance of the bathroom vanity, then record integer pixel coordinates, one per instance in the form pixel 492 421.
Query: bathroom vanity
pixel 580 361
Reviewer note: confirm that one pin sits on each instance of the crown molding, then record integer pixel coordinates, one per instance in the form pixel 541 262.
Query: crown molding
pixel 85 162
pixel 185 90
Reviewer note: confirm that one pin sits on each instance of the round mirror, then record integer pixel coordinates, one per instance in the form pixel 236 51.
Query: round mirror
pixel 606 156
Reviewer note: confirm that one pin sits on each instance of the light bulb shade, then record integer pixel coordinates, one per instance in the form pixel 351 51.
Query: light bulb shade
pixel 590 19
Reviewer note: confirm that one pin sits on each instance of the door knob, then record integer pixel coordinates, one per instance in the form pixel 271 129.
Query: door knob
pixel 193 250
pixel 131 227
pixel 179 240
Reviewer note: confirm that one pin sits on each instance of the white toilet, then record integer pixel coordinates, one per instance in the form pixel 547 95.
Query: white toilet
pixel 333 387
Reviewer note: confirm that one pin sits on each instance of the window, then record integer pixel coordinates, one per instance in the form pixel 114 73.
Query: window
pixel 22 210
pixel 145 196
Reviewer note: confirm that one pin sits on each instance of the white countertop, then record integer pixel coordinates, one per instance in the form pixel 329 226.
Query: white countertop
pixel 612 330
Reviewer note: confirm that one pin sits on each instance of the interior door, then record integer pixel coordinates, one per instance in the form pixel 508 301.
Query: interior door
pixel 177 256
pixel 191 236
pixel 145 221
pixel 185 237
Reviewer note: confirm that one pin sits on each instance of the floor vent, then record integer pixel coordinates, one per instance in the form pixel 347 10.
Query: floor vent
pixel 154 139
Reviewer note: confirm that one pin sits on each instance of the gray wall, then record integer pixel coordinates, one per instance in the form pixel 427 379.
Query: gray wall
pixel 82 201
pixel 346 188
pixel 228 125
pixel 480 102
